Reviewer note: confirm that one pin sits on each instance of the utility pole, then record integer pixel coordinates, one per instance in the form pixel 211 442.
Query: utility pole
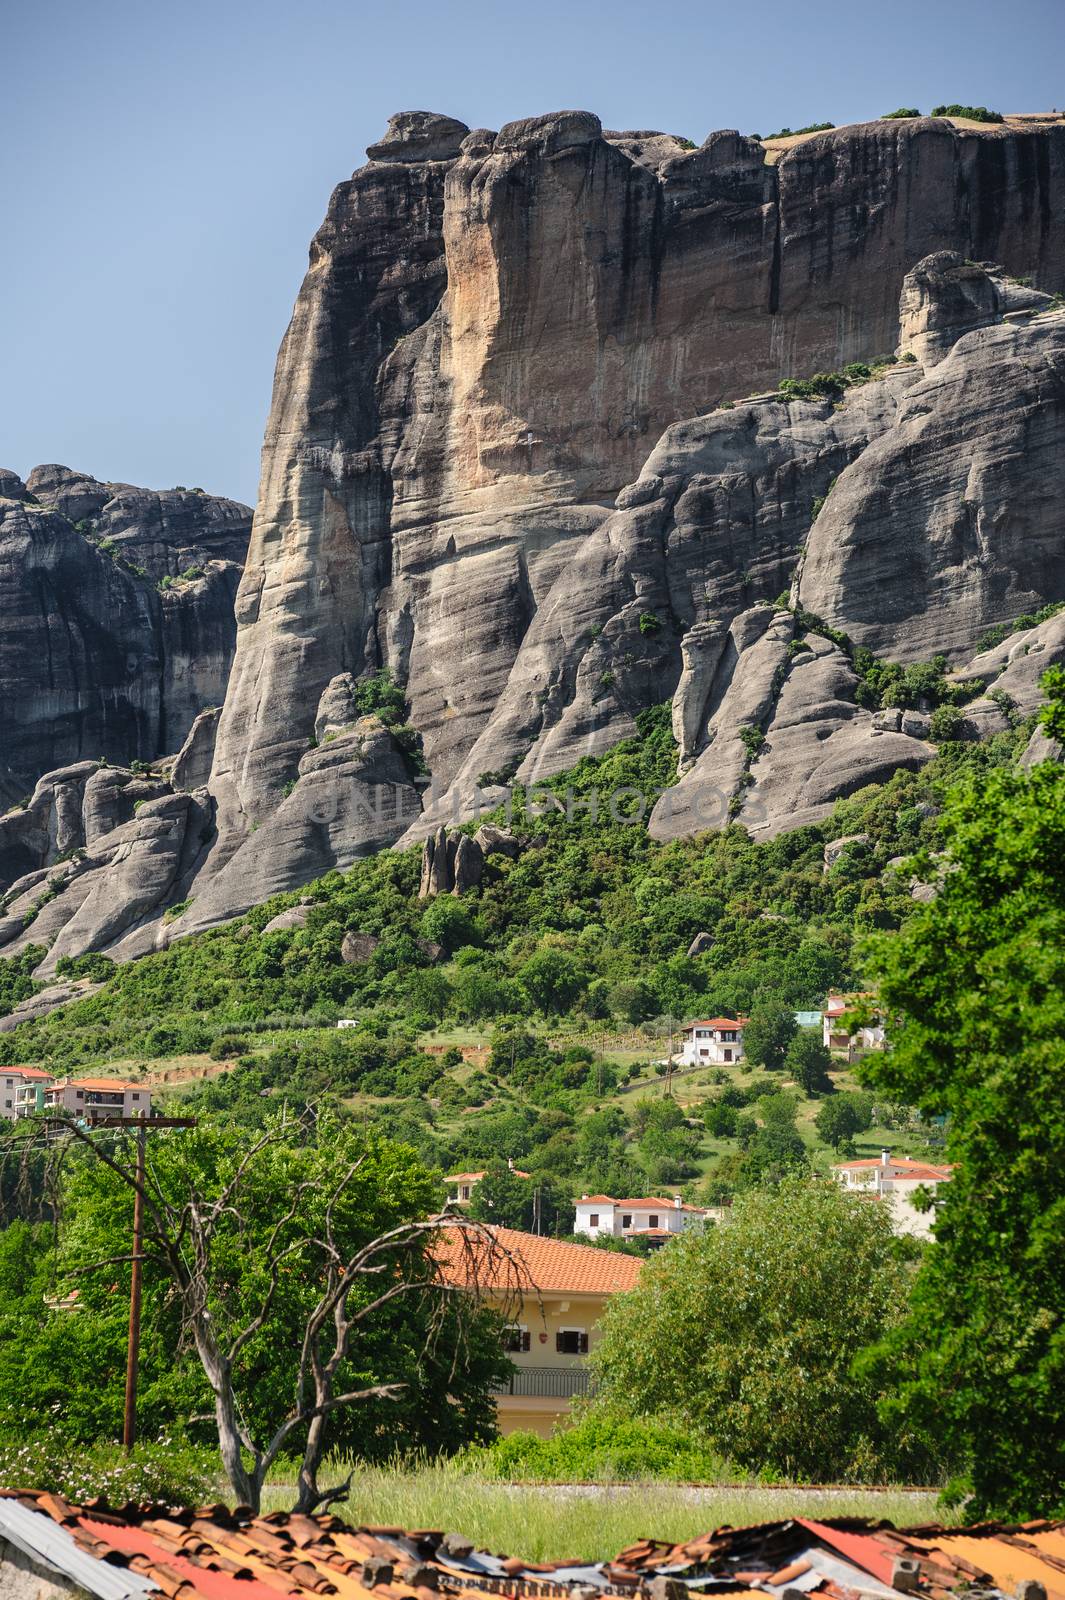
pixel 142 1124
pixel 133 1343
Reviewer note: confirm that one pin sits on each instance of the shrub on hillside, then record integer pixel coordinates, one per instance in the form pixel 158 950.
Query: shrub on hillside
pixel 603 1448
pixel 970 113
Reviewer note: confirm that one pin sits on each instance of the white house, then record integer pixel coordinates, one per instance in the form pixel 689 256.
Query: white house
pixel 716 1042
pixel 600 1216
pixel 837 1037
pixel 22 1091
pixel 896 1180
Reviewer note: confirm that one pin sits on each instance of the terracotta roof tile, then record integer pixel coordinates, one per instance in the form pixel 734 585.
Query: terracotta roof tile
pixel 214 1553
pixel 549 1265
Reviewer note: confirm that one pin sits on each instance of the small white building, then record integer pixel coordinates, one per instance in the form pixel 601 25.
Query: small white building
pixel 896 1180
pixel 97 1097
pixel 715 1042
pixel 22 1091
pixel 837 1037
pixel 600 1216
pixel 460 1185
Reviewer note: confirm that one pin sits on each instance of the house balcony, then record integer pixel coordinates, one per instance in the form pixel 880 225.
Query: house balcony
pixel 547 1383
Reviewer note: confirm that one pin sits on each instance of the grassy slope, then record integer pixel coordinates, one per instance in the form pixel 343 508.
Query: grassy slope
pixel 592 1523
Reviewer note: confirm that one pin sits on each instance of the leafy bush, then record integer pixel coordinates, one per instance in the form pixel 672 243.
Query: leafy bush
pixel 168 1469
pixel 601 1447
pixel 971 113
pixel 811 127
pixel 946 724
pixel 903 111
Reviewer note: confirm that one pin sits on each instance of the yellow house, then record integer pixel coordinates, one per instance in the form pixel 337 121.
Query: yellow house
pixel 553 1295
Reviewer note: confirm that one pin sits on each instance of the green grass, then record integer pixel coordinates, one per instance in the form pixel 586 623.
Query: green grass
pixel 589 1522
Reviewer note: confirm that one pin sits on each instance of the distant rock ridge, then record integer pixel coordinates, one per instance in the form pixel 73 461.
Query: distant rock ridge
pixel 116 618
pixel 510 460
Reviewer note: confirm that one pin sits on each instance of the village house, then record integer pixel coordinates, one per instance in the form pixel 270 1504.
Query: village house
pixel 22 1091
pixel 600 1216
pixel 717 1042
pixel 553 1294
pixel 896 1180
pixel 97 1097
pixel 839 1039
pixel 460 1185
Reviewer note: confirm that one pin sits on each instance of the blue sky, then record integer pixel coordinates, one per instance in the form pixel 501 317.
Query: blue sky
pixel 163 167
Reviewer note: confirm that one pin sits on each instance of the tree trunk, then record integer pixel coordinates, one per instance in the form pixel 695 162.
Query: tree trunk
pixel 307 1500
pixel 246 1487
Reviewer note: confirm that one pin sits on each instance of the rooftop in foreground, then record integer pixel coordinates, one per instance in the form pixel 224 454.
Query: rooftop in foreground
pixel 219 1554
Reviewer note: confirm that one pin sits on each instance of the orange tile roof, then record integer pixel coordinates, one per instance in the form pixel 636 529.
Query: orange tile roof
pixel 475 1177
pixel 525 1261
pixel 717 1022
pixel 25 1072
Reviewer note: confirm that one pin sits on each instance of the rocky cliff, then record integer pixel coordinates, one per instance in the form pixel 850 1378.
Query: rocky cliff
pixel 527 453
pixel 116 618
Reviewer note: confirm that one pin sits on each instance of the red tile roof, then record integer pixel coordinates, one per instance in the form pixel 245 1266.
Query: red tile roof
pixel 525 1261
pixel 25 1072
pixel 718 1022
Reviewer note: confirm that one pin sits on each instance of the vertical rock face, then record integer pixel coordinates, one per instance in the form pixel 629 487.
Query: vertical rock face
pixel 952 520
pixel 105 649
pixel 518 456
pixel 494 329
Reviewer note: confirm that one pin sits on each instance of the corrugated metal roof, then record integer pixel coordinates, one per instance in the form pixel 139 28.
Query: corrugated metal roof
pixel 55 1548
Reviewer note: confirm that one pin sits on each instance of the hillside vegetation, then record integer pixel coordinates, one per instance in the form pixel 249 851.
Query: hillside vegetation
pixel 532 1036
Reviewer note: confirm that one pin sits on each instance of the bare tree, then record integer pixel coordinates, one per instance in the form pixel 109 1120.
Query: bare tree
pixel 445 1257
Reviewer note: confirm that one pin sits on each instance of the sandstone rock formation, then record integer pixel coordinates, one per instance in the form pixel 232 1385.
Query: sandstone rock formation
pixel 487 344
pixel 451 864
pixel 105 649
pixel 516 456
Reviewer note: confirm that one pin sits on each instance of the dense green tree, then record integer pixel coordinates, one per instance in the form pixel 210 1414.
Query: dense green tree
pixel 973 992
pixel 748 1332
pixel 770 1029
pixel 808 1061
pixel 551 980
pixel 841 1116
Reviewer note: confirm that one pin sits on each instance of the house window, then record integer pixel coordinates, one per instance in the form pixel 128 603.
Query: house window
pixel 136 1096
pixel 515 1340
pixel 652 1221
pixel 593 1220
pixel 464 1192
pixel 704 1052
pixel 571 1342
pixel 727 1055
pixel 626 1221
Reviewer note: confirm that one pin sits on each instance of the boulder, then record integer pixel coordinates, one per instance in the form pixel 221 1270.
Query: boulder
pixel 700 945
pixel 835 847
pixel 358 947
pixel 285 921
